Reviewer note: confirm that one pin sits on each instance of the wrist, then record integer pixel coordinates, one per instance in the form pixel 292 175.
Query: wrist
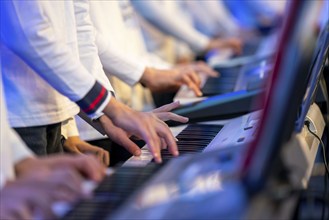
pixel 147 78
pixel 114 110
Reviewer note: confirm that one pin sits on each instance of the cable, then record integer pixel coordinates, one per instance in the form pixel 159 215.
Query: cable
pixel 307 123
pixel 323 212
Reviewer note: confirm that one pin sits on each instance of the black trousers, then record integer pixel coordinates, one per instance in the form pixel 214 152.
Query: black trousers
pixel 42 140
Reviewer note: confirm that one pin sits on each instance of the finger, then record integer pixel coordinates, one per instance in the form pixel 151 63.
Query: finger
pixel 236 45
pixel 170 140
pixel 99 152
pixel 99 155
pixel 153 141
pixel 121 137
pixel 89 166
pixel 167 108
pixel 73 149
pixel 106 158
pixel 42 204
pixel 123 140
pixel 69 180
pixel 204 68
pixel 163 144
pixel 195 78
pixel 192 85
pixel 21 211
pixel 64 195
pixel 166 116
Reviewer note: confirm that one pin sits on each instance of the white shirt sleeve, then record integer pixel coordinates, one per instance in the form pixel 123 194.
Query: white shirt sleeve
pixel 211 17
pixel 171 23
pixel 27 31
pixel 86 37
pixel 12 148
pixel 119 64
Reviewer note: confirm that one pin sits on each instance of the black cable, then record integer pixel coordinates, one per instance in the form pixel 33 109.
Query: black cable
pixel 326 175
pixel 307 123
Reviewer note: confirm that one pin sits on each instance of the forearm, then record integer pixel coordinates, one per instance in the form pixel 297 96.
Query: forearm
pixel 166 22
pixel 86 37
pixel 126 68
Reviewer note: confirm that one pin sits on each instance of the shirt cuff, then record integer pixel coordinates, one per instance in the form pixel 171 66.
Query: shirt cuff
pixel 95 100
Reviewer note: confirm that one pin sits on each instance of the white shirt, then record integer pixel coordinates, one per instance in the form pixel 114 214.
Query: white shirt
pixel 119 35
pixel 171 22
pixel 12 148
pixel 122 52
pixel 49 44
pixel 211 17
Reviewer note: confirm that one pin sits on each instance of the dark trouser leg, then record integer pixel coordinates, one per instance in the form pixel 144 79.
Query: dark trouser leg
pixel 42 140
pixel 54 135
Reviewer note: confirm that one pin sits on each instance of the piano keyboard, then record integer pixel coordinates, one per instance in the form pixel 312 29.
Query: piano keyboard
pixel 224 84
pixel 115 189
pixel 193 139
pixel 112 192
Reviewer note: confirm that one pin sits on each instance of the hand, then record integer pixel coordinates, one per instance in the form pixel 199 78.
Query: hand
pixel 219 43
pixel 144 125
pixel 84 165
pixel 75 145
pixel 119 136
pixel 171 80
pixel 202 68
pixel 34 194
pixel 19 200
pixel 165 80
pixel 164 114
pixel 122 138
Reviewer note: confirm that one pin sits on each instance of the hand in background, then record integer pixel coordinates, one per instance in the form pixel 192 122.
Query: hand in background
pixel 164 114
pixel 172 79
pixel 222 43
pixel 75 145
pixel 203 68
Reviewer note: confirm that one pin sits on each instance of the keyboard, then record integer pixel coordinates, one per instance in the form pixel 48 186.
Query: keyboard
pixel 112 192
pixel 224 84
pixel 115 189
pixel 193 139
